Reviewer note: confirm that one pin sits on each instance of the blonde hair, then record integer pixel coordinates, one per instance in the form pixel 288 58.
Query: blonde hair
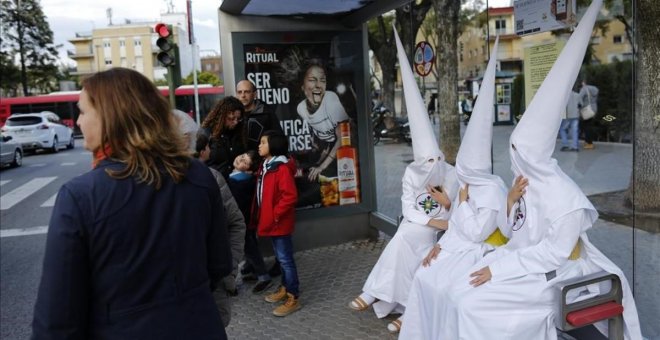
pixel 137 126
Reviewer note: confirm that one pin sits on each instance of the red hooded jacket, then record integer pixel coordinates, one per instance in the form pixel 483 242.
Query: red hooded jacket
pixel 279 195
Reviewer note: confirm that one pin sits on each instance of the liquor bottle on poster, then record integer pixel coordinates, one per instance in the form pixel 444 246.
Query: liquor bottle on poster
pixel 347 168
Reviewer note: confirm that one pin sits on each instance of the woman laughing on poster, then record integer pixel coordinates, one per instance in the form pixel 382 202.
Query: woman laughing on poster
pixel 323 111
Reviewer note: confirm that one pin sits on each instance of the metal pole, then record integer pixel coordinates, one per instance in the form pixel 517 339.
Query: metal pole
pixel 170 83
pixel 191 40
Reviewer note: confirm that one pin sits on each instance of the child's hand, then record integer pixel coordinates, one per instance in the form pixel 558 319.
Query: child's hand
pixel 517 190
pixel 439 196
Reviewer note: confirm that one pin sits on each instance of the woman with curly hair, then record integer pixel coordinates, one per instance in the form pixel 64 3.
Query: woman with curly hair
pixel 226 138
pixel 137 242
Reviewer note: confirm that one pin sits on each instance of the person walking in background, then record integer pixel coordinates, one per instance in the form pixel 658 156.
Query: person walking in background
pixel 257 117
pixel 135 246
pixel 570 122
pixel 274 215
pixel 431 107
pixel 466 107
pixel 589 97
pixel 226 135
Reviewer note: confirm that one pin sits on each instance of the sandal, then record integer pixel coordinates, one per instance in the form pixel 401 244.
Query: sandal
pixel 394 326
pixel 358 304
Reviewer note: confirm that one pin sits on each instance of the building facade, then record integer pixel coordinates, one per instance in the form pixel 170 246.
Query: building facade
pixel 130 45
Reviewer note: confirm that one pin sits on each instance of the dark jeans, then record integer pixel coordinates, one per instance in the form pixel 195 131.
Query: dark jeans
pixel 588 127
pixel 253 255
pixel 283 248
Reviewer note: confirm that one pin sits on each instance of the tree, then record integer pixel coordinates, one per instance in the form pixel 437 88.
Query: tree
pixel 645 184
pixel 10 78
pixel 408 19
pixel 26 32
pixel 447 64
pixel 203 78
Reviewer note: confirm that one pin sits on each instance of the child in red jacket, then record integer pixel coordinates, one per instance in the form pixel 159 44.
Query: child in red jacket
pixel 276 198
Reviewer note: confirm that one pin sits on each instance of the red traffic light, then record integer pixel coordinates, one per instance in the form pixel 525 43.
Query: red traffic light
pixel 162 30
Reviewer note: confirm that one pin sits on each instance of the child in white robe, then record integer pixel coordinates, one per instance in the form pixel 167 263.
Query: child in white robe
pixel 429 185
pixel 479 209
pixel 510 293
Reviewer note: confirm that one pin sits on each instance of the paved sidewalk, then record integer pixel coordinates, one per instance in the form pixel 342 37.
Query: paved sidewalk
pixel 331 276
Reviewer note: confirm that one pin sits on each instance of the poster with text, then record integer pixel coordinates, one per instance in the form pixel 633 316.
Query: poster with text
pixel 311 88
pixel 536 16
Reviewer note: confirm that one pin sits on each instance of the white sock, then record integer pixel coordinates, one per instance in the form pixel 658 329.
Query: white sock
pixel 366 297
pixel 391 327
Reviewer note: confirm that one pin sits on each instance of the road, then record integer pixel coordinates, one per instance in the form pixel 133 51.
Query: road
pixel 27 196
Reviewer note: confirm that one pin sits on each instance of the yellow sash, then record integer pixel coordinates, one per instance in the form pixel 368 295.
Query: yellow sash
pixel 496 239
pixel 575 254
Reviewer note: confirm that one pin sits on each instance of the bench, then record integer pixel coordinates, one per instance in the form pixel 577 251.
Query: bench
pixel 606 306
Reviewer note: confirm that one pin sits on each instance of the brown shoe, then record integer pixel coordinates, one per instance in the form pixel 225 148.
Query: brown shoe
pixel 278 296
pixel 588 146
pixel 289 306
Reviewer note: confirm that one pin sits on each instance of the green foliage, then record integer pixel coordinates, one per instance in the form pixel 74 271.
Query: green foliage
pixel 202 78
pixel 26 33
pixel 518 97
pixel 615 98
pixel 160 82
pixel 10 75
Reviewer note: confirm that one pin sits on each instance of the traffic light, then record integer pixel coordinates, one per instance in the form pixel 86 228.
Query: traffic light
pixel 166 44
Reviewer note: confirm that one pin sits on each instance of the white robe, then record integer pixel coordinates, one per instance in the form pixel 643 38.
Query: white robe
pixel 519 302
pixel 462 246
pixel 391 277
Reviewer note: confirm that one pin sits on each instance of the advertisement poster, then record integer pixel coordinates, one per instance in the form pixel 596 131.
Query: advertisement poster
pixel 538 61
pixel 536 16
pixel 311 88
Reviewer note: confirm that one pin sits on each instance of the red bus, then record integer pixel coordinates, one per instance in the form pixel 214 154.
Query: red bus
pixel 64 103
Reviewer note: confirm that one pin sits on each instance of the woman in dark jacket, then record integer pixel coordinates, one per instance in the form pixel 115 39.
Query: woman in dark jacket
pixel 226 135
pixel 136 245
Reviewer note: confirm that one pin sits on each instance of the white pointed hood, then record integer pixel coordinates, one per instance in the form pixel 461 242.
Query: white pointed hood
pixel 424 144
pixel 551 193
pixel 474 160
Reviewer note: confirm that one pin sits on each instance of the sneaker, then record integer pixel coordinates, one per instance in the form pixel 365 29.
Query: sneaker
pixel 278 296
pixel 249 277
pixel 289 306
pixel 564 148
pixel 574 150
pixel 261 286
pixel 588 146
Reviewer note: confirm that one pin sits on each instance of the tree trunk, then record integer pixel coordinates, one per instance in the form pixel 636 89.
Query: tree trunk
pixel 409 19
pixel 646 152
pixel 447 12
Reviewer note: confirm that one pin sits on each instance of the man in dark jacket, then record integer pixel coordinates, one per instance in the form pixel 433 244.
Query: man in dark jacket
pixel 258 118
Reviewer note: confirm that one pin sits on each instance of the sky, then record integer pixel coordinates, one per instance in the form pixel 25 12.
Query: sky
pixel 66 17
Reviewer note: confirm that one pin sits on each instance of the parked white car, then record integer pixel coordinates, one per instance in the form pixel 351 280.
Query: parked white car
pixel 11 152
pixel 42 130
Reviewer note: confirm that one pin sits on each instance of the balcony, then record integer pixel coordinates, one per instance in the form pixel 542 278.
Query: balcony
pixel 79 54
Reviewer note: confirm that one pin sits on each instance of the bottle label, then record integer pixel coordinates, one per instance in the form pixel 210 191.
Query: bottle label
pixel 347 174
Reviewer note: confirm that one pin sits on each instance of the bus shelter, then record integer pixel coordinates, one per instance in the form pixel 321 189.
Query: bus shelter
pixel 297 52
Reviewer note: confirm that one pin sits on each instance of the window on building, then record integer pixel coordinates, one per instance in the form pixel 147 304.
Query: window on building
pixel 595 40
pixel 108 62
pixel 500 26
pixel 123 62
pixel 122 43
pixel 106 44
pixel 617 39
pixel 137 42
